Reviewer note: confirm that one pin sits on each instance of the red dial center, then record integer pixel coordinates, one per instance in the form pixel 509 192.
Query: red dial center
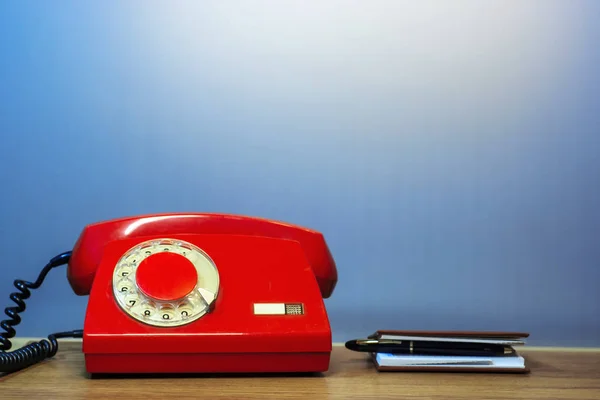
pixel 166 276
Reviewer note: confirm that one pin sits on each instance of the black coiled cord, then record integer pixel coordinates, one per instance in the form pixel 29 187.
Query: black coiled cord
pixel 35 352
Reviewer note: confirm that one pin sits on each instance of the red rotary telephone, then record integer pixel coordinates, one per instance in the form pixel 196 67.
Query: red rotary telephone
pixel 196 293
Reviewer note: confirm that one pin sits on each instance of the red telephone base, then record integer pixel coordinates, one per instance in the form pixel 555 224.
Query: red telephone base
pixel 207 363
pixel 233 337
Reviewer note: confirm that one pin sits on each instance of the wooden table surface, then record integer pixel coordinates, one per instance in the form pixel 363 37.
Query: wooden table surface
pixel 554 375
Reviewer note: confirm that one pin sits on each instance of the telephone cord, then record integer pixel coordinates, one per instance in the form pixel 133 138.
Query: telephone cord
pixel 32 353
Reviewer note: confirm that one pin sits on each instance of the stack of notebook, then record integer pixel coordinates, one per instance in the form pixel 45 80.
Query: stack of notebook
pixel 444 351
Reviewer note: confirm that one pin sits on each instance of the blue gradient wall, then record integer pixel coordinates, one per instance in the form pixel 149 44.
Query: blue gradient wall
pixel 449 151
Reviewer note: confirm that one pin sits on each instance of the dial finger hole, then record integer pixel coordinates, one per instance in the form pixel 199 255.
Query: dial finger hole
pixel 125 286
pixel 185 310
pixel 132 300
pixel 147 251
pixel 167 313
pixel 148 310
pixel 184 250
pixel 125 271
pixel 134 259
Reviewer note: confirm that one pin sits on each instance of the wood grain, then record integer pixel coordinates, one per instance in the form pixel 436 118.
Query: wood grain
pixel 554 375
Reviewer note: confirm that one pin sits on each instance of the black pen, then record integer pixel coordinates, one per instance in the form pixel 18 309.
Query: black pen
pixel 416 347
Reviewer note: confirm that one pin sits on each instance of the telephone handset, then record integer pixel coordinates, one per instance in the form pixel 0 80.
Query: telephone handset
pixel 193 293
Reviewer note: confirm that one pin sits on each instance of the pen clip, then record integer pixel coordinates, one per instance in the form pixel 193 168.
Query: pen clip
pixel 370 344
pixel 366 342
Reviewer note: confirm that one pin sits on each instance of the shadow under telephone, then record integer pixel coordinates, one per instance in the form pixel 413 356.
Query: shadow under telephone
pixel 176 293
